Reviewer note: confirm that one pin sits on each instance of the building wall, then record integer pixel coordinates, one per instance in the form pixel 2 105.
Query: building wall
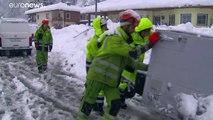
pixel 58 19
pixel 211 17
pixel 178 11
pixel 145 13
pixel 194 12
pixel 43 15
pixel 74 17
pixel 113 15
pixel 163 15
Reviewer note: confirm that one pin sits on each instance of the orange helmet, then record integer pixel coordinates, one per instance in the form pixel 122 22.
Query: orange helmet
pixel 129 17
pixel 45 21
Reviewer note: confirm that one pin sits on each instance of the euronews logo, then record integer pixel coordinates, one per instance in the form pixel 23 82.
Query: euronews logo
pixel 26 5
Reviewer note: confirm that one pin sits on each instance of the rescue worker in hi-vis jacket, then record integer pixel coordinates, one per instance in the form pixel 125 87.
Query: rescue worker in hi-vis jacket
pixel 100 26
pixel 43 44
pixel 133 82
pixel 106 68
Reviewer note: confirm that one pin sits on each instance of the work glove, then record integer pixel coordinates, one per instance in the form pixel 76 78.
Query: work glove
pixel 98 44
pixel 129 41
pixel 129 69
pixel 36 45
pixel 154 37
pixel 140 49
pixel 133 54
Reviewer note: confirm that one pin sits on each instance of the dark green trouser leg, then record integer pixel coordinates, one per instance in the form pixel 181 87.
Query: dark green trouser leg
pixel 113 102
pixel 140 83
pixel 122 95
pixel 40 68
pixel 41 60
pixel 92 88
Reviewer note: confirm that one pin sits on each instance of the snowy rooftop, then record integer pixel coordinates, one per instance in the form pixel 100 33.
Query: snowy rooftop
pixel 116 5
pixel 58 6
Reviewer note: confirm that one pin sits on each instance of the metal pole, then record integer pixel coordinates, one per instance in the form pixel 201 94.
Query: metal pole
pixel 96 7
pixel 89 18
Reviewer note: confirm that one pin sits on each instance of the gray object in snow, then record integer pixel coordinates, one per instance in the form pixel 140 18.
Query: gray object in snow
pixel 181 62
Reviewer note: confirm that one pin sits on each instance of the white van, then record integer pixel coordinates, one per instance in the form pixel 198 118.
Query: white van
pixel 15 36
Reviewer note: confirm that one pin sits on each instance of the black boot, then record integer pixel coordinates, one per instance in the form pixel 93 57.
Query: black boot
pixel 98 106
pixel 123 104
pixel 44 67
pixel 140 82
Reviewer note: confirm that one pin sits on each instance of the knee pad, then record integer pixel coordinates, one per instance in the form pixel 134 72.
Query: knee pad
pixel 87 108
pixel 130 91
pixel 100 100
pixel 115 107
pixel 127 89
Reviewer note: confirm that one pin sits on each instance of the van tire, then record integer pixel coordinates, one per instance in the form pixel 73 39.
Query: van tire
pixel 29 52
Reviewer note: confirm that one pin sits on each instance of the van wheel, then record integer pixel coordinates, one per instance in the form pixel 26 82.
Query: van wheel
pixel 28 52
pixel 7 53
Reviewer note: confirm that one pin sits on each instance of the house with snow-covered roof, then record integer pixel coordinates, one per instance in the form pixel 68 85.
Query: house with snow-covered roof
pixel 168 12
pixel 59 15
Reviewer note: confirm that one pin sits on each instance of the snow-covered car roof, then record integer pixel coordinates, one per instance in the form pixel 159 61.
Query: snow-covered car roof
pixel 13 20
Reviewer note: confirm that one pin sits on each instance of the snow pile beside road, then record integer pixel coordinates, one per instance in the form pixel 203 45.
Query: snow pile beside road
pixel 188 27
pixel 70 43
pixel 186 106
pixel 197 109
pixel 205 108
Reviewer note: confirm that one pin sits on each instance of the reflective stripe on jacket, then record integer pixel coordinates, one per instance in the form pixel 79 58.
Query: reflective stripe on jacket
pixel 137 40
pixel 43 38
pixel 111 59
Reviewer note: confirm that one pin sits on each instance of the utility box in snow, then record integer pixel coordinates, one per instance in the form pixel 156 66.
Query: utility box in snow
pixel 180 62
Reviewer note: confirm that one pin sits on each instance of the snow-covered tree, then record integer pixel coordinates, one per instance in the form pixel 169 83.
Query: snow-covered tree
pixel 12 8
pixel 87 2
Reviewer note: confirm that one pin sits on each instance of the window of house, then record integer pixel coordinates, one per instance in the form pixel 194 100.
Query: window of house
pixel 202 19
pixel 157 20
pixel 82 17
pixel 172 19
pixel 211 21
pixel 144 16
pixel 68 16
pixel 37 16
pixel 185 18
pixel 47 16
pixel 59 18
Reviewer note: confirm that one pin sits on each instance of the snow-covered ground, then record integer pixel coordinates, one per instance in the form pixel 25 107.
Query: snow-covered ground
pixel 26 95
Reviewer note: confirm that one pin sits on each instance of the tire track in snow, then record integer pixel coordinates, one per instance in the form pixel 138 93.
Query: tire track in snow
pixel 61 82
pixel 46 97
